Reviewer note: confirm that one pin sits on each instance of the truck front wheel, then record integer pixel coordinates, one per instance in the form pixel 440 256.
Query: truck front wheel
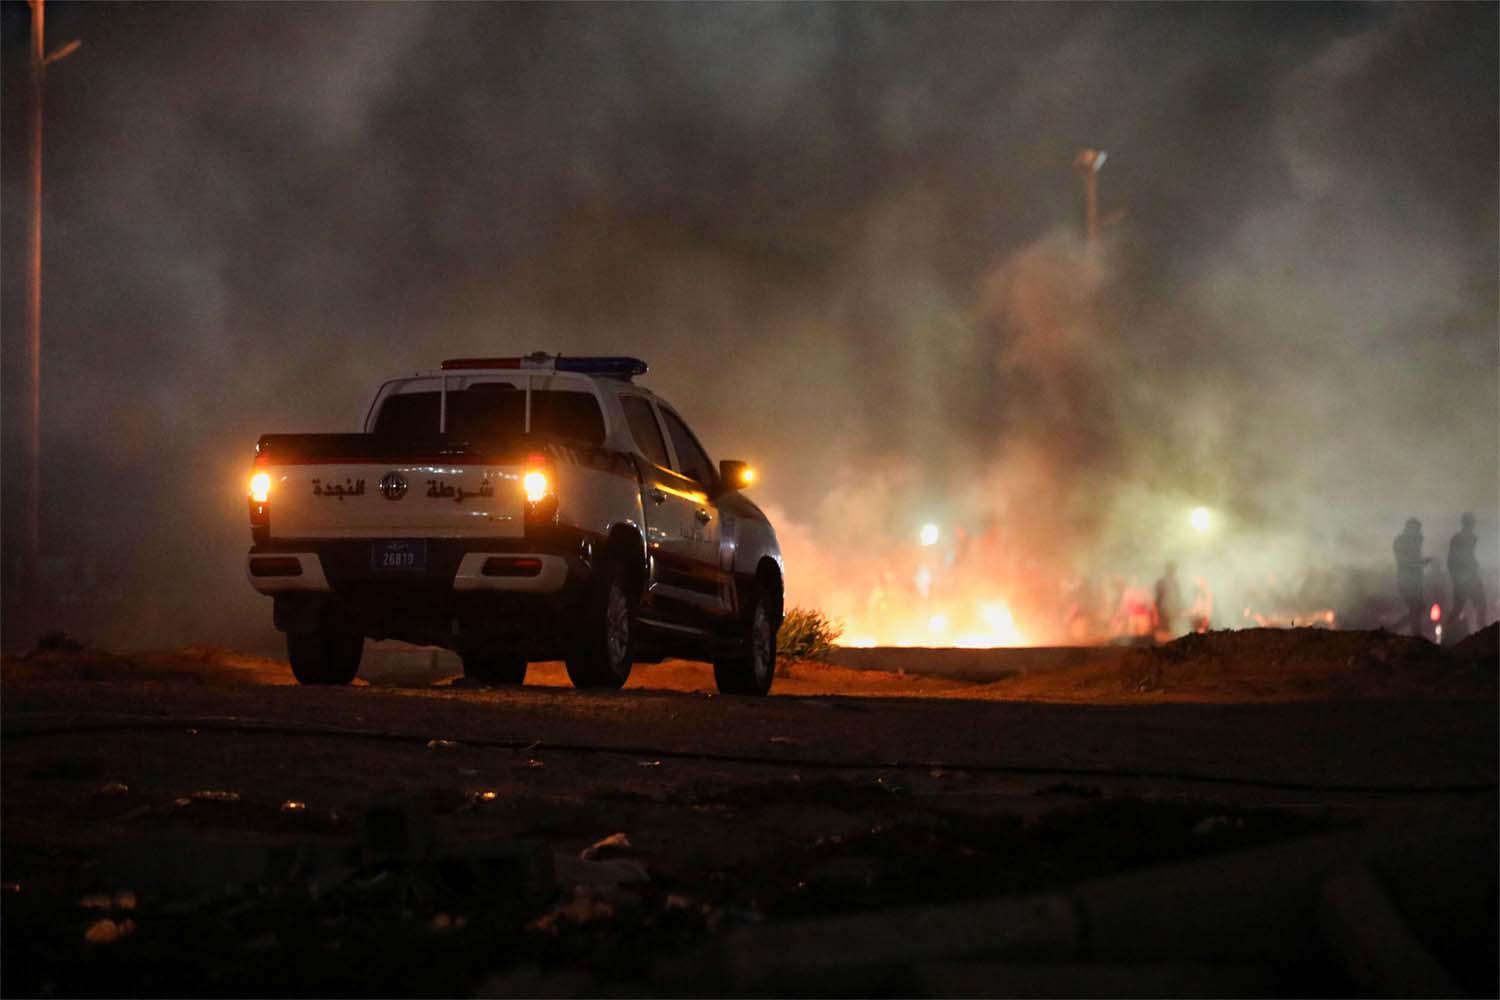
pixel 325 656
pixel 750 670
pixel 601 656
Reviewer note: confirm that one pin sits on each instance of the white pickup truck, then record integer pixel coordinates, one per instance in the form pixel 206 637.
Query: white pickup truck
pixel 514 510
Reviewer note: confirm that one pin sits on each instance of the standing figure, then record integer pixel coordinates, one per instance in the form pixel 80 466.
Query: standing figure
pixel 1168 602
pixel 1409 563
pixel 1468 586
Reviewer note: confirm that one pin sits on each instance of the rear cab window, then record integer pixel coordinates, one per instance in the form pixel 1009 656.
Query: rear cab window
pixel 491 411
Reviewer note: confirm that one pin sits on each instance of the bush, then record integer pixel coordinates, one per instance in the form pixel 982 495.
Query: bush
pixel 807 634
pixel 55 641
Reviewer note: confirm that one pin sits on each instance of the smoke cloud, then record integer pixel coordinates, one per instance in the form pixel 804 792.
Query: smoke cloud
pixel 847 238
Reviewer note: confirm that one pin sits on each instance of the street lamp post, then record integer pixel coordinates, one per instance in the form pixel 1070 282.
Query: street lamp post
pixel 31 545
pixel 1088 162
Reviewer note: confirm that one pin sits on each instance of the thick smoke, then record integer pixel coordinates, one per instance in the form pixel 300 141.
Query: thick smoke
pixel 847 238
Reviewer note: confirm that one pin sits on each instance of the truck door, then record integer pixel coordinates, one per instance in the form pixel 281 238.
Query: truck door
pixel 674 523
pixel 694 557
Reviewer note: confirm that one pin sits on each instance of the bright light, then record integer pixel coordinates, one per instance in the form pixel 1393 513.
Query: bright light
pixel 260 487
pixel 1200 519
pixel 938 623
pixel 535 484
pixel 747 476
pixel 929 534
pixel 1436 614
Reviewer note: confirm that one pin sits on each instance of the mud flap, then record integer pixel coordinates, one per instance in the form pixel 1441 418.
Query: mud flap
pixel 297 612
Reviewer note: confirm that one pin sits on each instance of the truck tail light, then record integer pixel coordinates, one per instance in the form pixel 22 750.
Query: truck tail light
pixel 260 503
pixel 536 482
pixel 539 483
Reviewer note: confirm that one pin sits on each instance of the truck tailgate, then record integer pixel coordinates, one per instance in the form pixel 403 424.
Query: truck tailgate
pixel 315 494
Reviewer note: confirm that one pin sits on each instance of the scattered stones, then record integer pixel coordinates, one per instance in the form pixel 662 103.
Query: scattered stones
pixel 108 931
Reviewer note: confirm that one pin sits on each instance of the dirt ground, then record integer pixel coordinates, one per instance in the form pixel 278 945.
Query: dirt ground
pixel 191 822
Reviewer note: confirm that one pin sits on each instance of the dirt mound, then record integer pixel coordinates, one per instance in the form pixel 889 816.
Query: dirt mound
pixel 190 665
pixel 1483 645
pixel 1269 665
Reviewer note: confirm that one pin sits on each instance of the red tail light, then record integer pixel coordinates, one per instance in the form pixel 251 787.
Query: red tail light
pixel 539 487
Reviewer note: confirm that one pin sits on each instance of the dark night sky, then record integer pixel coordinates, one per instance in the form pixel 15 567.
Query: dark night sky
pixel 844 236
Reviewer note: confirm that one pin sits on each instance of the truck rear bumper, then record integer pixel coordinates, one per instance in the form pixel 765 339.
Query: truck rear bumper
pixel 544 565
pixel 506 572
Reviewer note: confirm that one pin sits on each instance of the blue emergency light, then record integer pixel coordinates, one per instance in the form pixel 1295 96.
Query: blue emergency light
pixel 610 367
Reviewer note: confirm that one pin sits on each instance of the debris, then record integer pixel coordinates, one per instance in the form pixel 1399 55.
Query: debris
pixel 441 745
pixel 398 831
pixel 130 814
pixel 578 910
pixel 606 874
pixel 612 846
pixel 112 789
pixel 648 763
pixel 265 942
pixel 1213 824
pixel 107 931
pixel 533 762
pixel 213 795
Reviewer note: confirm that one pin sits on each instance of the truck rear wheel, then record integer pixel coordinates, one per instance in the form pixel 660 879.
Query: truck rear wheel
pixel 325 656
pixel 750 671
pixel 601 656
pixel 495 666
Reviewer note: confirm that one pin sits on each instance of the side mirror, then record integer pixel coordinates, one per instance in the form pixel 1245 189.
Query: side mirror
pixel 734 475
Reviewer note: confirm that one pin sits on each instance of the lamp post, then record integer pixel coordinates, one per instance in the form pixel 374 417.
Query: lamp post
pixel 31 545
pixel 1088 162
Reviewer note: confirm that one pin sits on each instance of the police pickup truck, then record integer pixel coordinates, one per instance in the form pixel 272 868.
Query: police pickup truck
pixel 514 510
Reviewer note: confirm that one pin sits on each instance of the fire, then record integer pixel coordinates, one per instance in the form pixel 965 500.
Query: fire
pixel 968 623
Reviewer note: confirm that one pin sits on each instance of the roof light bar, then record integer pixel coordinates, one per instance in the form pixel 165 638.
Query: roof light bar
pixel 612 367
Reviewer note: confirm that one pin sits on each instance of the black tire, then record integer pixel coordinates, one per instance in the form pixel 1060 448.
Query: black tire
pixel 495 666
pixel 751 671
pixel 324 657
pixel 602 652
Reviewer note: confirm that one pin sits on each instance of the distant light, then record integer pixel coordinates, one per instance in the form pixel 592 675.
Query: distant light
pixel 1436 614
pixel 1200 519
pixel 929 534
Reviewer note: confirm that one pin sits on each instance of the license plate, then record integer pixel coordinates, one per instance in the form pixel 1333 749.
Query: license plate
pixel 399 556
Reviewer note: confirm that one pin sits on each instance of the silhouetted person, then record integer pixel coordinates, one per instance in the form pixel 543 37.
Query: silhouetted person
pixel 1463 567
pixel 1409 563
pixel 1168 601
